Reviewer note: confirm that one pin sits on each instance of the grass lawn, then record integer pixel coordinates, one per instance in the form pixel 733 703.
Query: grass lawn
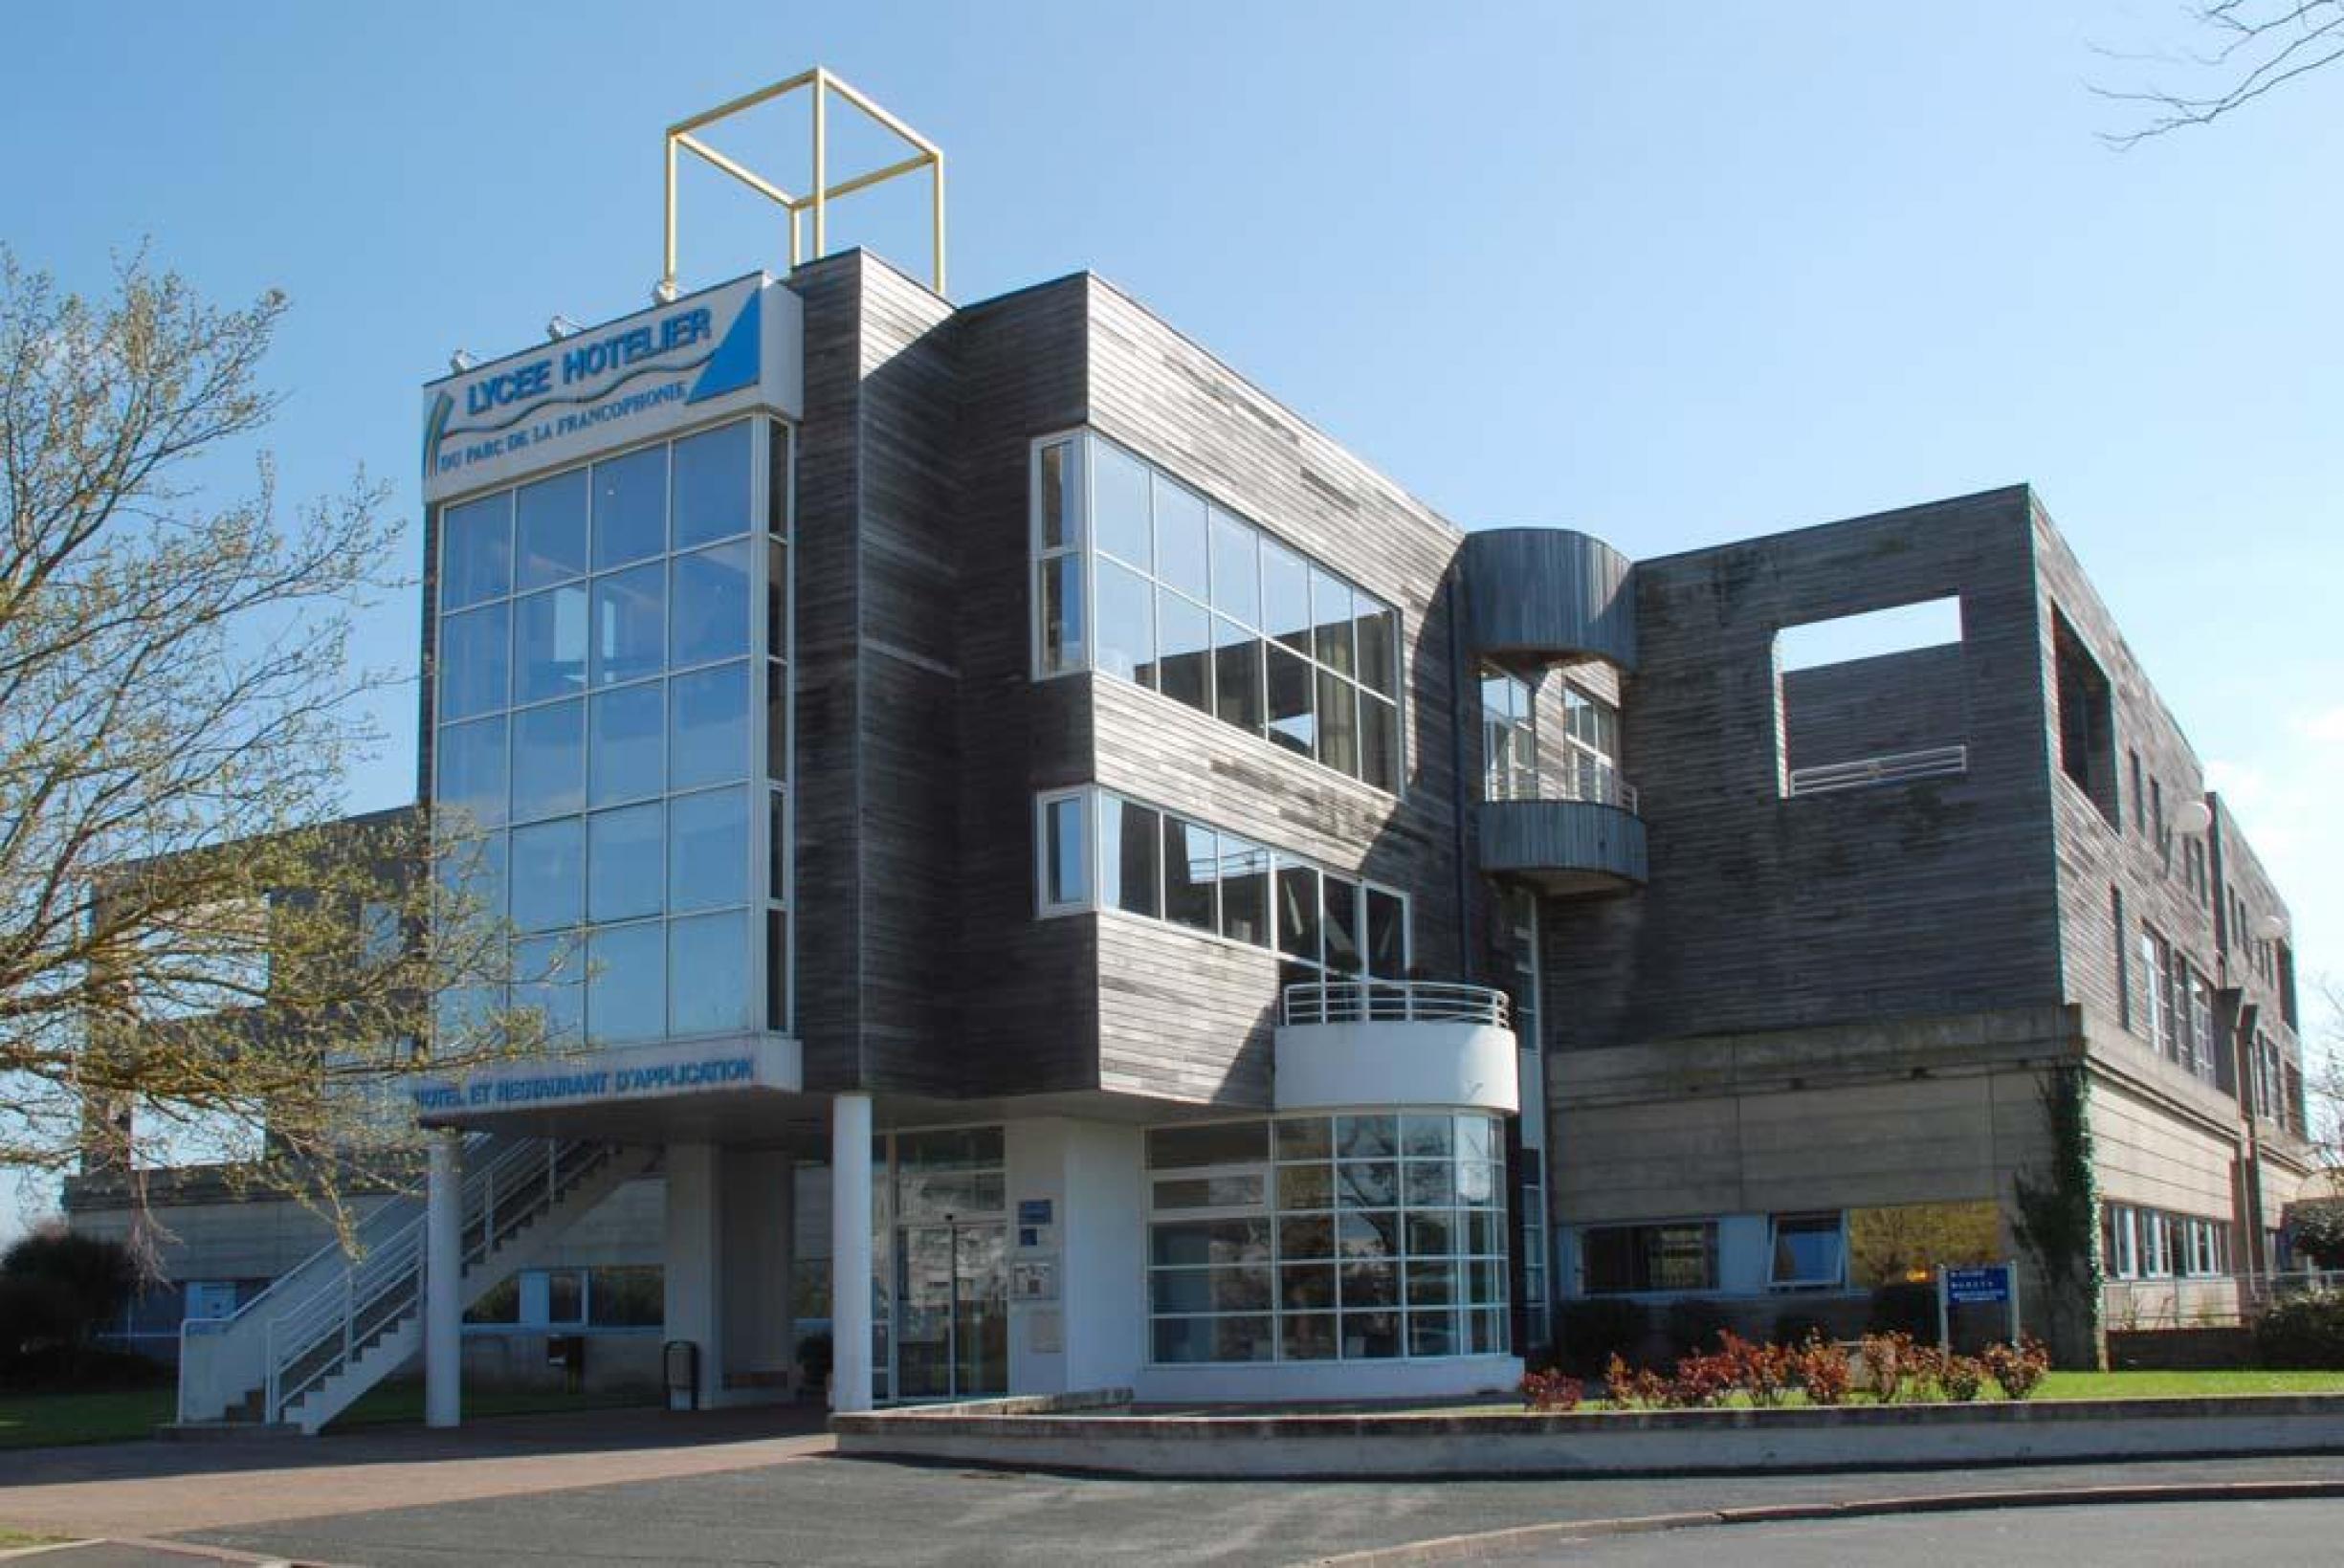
pixel 11 1539
pixel 38 1421
pixel 2162 1385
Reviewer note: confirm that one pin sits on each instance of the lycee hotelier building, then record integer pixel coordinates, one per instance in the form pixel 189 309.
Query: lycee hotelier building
pixel 1215 926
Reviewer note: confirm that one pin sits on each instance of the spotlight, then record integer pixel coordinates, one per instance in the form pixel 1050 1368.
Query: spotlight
pixel 461 361
pixel 561 326
pixel 663 292
pixel 2192 818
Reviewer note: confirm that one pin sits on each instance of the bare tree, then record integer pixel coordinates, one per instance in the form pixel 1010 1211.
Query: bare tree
pixel 2257 46
pixel 188 938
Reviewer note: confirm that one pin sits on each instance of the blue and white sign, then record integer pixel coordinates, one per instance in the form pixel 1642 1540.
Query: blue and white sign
pixel 1983 1285
pixel 697 358
pixel 659 1071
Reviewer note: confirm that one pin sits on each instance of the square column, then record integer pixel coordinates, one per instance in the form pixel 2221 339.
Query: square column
pixel 850 1252
pixel 694 1305
pixel 443 1282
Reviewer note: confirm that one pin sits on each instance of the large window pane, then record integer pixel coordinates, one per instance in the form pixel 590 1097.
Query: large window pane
pixel 1331 618
pixel 1339 725
pixel 626 746
pixel 1128 869
pixel 1066 853
pixel 709 607
pixel 1183 647
pixel 1181 550
pixel 1342 904
pixel 1297 895
pixel 550 979
pixel 708 850
pixel 631 507
pixel 624 873
pixel 776 720
pixel 710 739
pixel 552 634
pixel 1237 589
pixel 1237 676
pixel 1058 521
pixel 630 635
pixel 1379 640
pixel 548 759
pixel 777 970
pixel 712 486
pixel 1126 624
pixel 1064 629
pixel 474 661
pixel 1387 940
pixel 476 559
pixel 777 845
pixel 551 519
pixel 1245 892
pixel 548 875
pixel 468 771
pixel 1286 596
pixel 1190 861
pixel 708 974
pixel 1291 721
pixel 1120 504
pixel 1378 742
pixel 627 983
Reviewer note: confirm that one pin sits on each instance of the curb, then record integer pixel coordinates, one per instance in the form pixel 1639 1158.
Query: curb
pixel 1466 1547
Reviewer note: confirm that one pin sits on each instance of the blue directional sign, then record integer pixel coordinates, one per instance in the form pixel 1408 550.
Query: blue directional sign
pixel 1969 1286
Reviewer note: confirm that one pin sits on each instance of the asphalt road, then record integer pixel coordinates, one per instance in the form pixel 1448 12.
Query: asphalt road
pixel 830 1510
pixel 2263 1535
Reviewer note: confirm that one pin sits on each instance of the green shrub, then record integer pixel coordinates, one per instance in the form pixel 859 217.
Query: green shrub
pixel 1589 1333
pixel 1906 1307
pixel 1695 1327
pixel 2318 1229
pixel 97 1275
pixel 2303 1332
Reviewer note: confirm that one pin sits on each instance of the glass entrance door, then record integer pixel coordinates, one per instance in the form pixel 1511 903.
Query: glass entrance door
pixel 952 1300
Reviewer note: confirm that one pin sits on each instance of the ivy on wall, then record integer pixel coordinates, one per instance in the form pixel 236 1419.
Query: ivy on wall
pixel 2057 1224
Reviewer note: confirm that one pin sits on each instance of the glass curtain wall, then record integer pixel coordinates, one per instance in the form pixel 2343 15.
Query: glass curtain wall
pixel 939 1270
pixel 1141 578
pixel 1319 1238
pixel 603 671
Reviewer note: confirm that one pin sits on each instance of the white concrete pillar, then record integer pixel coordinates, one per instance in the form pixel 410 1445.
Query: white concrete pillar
pixel 443 1282
pixel 850 1252
pixel 695 1238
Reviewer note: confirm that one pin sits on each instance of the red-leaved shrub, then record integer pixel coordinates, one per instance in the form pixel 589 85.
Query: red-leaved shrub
pixel 2018 1369
pixel 1823 1371
pixel 1552 1392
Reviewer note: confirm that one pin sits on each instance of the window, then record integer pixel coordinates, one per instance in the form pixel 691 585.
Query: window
pixel 598 648
pixel 1591 732
pixel 2086 721
pixel 1140 577
pixel 2157 977
pixel 2156 824
pixel 2138 1243
pixel 2203 1057
pixel 1509 737
pixel 1094 850
pixel 2123 966
pixel 1809 1253
pixel 1378 1237
pixel 1620 1259
pixel 2140 800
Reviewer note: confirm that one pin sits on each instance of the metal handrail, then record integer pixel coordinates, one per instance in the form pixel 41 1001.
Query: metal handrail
pixel 1583 778
pixel 319 1317
pixel 1895 767
pixel 1396 1002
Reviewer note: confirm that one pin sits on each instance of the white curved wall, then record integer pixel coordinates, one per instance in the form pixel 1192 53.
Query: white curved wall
pixel 1324 1066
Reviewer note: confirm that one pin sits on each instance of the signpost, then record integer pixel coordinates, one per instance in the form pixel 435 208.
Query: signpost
pixel 1984 1284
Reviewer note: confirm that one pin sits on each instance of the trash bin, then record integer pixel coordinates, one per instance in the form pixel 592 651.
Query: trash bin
pixel 567 1351
pixel 680 1362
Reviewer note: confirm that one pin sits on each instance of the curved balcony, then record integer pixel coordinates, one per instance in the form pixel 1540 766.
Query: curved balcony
pixel 1579 833
pixel 1544 595
pixel 1387 1042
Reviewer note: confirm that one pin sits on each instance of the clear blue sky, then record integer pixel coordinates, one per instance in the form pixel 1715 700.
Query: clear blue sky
pixel 1669 274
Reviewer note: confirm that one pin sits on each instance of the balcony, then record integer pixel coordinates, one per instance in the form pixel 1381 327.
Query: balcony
pixel 1547 595
pixel 1350 1042
pixel 1573 832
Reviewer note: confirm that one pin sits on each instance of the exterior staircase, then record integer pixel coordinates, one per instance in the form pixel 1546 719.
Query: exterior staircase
pixel 296 1354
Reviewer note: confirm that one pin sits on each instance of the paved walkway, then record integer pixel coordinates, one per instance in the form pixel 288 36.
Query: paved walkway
pixel 156 1488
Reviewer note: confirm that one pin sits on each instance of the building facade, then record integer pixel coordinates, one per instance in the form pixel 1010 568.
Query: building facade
pixel 1210 925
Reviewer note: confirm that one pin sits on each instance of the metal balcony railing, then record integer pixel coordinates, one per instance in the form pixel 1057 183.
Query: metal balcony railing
pixel 1936 762
pixel 1396 1002
pixel 1583 778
